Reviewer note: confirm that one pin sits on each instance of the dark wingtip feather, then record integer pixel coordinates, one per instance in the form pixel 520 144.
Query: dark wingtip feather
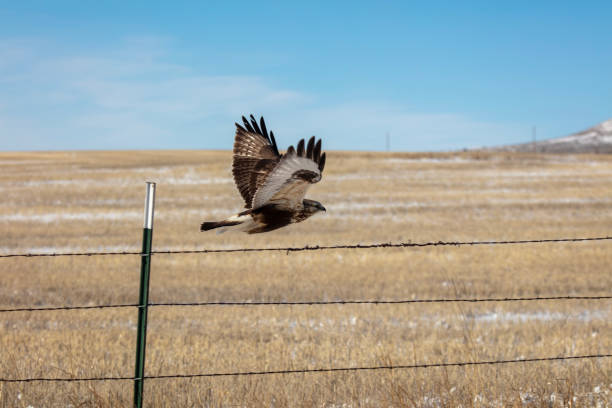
pixel 290 150
pixel 239 126
pixel 322 162
pixel 255 125
pixel 264 130
pixel 310 147
pixel 300 148
pixel 317 152
pixel 247 125
pixel 274 143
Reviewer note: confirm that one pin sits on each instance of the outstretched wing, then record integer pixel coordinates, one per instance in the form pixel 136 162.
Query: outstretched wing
pixel 255 155
pixel 287 183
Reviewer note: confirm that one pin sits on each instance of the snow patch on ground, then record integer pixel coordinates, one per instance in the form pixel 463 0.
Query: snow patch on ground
pixel 109 216
pixel 158 170
pixel 81 216
pixel 393 206
pixel 543 316
pixel 455 159
pixel 438 320
pixel 337 209
pixel 187 179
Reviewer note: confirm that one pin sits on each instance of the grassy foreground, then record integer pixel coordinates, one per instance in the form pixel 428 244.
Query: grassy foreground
pixel 65 201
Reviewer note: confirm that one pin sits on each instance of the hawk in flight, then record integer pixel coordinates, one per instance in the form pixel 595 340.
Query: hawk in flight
pixel 273 185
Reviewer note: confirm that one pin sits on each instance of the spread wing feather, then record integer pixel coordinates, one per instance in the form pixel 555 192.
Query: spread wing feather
pixel 287 183
pixel 263 176
pixel 255 155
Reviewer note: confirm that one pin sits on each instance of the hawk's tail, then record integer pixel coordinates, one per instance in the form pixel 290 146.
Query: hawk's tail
pixel 206 226
pixel 229 222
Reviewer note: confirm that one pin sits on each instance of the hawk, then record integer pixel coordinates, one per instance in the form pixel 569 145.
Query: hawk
pixel 272 185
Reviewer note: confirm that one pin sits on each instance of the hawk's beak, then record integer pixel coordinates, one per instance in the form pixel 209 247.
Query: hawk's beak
pixel 322 208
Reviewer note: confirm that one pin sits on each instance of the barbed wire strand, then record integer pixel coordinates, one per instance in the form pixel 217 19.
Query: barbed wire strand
pixel 380 302
pixel 315 247
pixel 54 254
pixel 314 370
pixel 312 302
pixel 51 308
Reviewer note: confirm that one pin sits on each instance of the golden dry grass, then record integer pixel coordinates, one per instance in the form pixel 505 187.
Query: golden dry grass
pixel 65 201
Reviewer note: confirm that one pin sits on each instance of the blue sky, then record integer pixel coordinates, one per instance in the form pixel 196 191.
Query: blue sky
pixel 436 76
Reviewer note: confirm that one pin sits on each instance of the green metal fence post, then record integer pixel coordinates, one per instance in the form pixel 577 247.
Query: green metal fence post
pixel 143 300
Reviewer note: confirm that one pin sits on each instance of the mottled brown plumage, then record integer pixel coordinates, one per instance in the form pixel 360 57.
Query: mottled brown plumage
pixel 255 155
pixel 272 185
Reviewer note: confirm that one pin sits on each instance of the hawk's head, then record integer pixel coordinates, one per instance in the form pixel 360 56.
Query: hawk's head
pixel 311 207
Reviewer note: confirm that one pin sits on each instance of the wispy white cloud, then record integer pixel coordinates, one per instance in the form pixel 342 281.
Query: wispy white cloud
pixel 135 96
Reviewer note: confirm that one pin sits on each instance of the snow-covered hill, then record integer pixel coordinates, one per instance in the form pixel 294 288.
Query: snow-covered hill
pixel 597 139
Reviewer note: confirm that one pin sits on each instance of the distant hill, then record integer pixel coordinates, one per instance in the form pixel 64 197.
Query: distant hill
pixel 597 139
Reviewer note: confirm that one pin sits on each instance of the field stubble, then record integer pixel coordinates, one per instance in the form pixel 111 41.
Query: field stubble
pixel 54 202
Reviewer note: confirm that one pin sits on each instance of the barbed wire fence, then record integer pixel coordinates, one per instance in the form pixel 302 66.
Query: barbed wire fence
pixel 308 303
pixel 314 247
pixel 143 304
pixel 311 370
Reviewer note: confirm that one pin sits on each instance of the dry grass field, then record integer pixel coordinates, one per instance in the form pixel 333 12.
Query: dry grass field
pixel 81 201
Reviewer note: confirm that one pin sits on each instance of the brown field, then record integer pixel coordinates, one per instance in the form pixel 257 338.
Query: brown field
pixel 61 202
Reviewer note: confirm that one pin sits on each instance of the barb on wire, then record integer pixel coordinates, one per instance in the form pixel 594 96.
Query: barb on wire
pixel 314 302
pixel 318 247
pixel 318 370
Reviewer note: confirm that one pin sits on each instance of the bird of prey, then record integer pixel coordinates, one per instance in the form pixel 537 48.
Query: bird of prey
pixel 273 185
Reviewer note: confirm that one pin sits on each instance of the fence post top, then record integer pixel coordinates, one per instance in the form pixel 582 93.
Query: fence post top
pixel 149 205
